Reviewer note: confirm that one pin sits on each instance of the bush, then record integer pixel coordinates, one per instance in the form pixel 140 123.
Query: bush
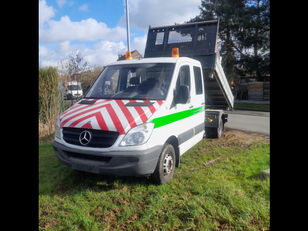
pixel 49 100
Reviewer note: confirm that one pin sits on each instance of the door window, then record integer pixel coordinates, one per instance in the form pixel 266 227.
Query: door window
pixel 184 77
pixel 183 80
pixel 198 80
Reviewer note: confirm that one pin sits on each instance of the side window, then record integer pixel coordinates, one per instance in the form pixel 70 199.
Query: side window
pixel 184 77
pixel 182 93
pixel 178 37
pixel 198 80
pixel 159 38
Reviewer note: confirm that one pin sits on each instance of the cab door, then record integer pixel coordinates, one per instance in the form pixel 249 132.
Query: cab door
pixel 183 81
pixel 188 113
pixel 197 98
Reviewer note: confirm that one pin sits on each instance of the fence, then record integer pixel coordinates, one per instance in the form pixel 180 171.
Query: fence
pixel 257 91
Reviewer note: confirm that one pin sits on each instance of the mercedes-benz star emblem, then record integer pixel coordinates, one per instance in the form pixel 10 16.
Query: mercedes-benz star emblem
pixel 85 137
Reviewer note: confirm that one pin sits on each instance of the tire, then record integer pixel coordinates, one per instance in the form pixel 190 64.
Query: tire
pixel 209 132
pixel 215 132
pixel 220 128
pixel 165 165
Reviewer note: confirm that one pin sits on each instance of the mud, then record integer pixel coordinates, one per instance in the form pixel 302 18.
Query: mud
pixel 242 138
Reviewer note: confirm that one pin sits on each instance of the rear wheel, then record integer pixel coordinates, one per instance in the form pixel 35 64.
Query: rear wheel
pixel 165 165
pixel 220 129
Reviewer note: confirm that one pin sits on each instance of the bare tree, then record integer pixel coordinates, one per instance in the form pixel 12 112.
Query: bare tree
pixel 74 65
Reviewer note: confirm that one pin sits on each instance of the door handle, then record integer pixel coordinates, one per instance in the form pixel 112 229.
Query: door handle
pixel 191 106
pixel 202 103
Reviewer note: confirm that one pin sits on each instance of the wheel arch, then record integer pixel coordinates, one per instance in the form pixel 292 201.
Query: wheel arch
pixel 175 143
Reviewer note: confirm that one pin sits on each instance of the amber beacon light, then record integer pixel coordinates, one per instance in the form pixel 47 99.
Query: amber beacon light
pixel 128 55
pixel 175 52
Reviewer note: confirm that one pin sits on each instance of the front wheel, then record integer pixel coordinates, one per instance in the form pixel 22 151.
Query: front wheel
pixel 165 165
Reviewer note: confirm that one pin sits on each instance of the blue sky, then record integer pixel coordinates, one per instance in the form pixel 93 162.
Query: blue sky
pixel 97 28
pixel 108 11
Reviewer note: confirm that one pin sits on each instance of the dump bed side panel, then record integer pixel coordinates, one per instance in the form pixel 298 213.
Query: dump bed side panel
pixel 223 83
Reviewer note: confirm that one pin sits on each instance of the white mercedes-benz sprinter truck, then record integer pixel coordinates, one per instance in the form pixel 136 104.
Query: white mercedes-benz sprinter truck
pixel 140 116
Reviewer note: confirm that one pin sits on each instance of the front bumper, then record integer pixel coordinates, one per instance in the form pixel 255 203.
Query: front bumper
pixel 128 163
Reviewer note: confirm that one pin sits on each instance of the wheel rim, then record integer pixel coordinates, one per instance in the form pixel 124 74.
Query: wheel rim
pixel 168 164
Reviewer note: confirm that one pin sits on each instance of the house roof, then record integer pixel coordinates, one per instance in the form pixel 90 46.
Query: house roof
pixel 135 55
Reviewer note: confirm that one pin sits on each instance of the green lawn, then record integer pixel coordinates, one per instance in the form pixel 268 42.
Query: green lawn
pixel 227 195
pixel 250 106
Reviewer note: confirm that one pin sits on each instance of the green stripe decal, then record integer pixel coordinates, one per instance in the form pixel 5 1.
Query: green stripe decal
pixel 164 120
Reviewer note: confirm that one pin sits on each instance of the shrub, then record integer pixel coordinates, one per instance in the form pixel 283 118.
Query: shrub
pixel 49 100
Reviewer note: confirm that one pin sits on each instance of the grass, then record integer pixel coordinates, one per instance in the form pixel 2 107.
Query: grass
pixel 254 107
pixel 47 139
pixel 227 195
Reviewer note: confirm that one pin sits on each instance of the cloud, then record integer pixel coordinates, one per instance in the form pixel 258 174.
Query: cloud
pixel 47 57
pixel 56 38
pixel 103 52
pixel 59 38
pixel 45 12
pixel 64 48
pixel 61 3
pixel 143 13
pixel 84 30
pixel 83 7
pixel 139 44
pixel 100 53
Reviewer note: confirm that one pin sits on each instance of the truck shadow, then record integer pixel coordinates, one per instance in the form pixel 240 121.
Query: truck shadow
pixel 110 182
pixel 75 182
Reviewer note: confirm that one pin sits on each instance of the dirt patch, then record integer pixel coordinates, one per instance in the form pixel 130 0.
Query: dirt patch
pixel 232 137
pixel 245 137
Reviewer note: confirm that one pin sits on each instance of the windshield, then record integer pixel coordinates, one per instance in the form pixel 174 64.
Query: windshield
pixel 74 87
pixel 135 81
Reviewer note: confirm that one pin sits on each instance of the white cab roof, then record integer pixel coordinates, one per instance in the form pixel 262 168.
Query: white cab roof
pixel 154 60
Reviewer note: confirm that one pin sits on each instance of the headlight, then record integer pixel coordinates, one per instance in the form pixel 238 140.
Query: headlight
pixel 138 135
pixel 58 130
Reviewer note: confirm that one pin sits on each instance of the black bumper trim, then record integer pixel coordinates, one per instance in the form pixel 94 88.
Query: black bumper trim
pixel 128 163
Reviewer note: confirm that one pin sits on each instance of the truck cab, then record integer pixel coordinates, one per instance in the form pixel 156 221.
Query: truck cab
pixel 138 118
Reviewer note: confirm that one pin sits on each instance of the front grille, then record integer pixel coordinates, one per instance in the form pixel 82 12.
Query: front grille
pixel 100 138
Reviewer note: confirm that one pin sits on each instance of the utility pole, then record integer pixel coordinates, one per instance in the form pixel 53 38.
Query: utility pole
pixel 127 26
pixel 127 54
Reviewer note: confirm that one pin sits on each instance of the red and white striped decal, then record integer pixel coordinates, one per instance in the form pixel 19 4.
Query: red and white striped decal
pixel 110 115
